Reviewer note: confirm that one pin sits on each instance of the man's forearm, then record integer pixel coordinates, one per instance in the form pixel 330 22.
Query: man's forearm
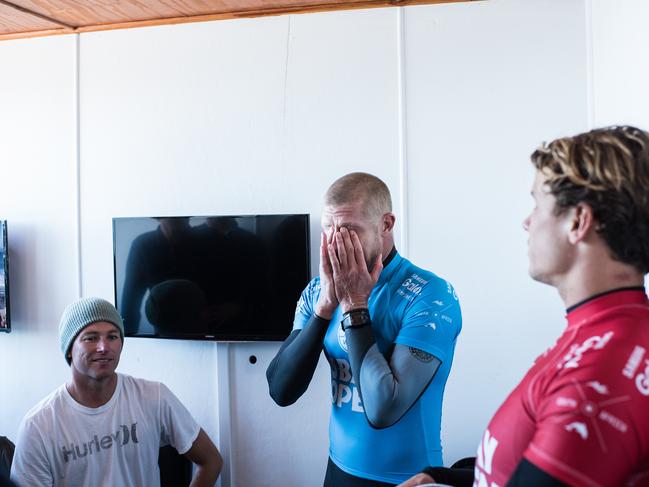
pixel 207 460
pixel 291 371
pixel 388 389
pixel 206 476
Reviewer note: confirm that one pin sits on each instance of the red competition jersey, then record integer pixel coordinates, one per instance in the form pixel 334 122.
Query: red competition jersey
pixel 581 413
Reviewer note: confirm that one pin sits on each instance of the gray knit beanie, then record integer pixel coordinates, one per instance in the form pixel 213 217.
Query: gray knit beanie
pixel 82 313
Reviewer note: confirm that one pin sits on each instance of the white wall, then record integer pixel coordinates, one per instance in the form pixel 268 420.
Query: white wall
pixel 259 116
pixel 38 197
pixel 619 58
pixel 485 85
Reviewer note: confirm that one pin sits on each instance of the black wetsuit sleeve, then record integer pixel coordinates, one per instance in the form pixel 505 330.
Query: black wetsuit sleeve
pixel 388 389
pixel 529 475
pixel 458 477
pixel 291 371
pixel 526 475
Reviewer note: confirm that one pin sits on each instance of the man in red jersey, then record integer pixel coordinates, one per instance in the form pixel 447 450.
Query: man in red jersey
pixel 580 416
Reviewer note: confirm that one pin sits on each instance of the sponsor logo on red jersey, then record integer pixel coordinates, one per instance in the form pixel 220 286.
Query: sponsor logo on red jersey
pixel 573 357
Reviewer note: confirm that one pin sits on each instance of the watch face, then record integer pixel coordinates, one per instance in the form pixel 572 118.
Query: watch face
pixel 355 318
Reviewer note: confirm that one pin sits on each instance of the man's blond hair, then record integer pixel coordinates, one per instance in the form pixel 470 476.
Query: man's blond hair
pixel 361 187
pixel 608 169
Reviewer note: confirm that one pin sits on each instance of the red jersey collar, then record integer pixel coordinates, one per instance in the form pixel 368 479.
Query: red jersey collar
pixel 610 299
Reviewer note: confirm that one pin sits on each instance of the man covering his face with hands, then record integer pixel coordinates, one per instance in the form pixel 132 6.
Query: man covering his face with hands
pixel 388 330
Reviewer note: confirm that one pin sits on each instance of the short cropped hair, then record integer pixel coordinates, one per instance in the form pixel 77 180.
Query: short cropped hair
pixel 607 169
pixel 363 187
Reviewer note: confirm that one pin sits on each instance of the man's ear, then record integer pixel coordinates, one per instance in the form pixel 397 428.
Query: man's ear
pixel 581 223
pixel 387 224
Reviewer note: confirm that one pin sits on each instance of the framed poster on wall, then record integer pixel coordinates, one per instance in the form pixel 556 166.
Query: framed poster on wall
pixel 5 320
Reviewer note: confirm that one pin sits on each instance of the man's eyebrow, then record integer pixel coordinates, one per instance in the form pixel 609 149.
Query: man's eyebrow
pixel 349 226
pixel 86 333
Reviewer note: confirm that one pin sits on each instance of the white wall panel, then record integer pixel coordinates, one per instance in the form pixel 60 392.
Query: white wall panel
pixel 620 68
pixel 486 83
pixel 342 97
pixel 38 198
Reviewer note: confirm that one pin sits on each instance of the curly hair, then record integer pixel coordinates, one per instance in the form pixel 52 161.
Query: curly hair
pixel 607 169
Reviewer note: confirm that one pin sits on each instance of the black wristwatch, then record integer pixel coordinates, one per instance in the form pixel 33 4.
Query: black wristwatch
pixel 355 318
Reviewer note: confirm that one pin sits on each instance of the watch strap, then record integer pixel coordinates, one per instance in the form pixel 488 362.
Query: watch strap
pixel 356 318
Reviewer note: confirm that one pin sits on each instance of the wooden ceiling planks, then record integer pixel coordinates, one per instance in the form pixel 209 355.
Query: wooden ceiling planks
pixel 30 18
pixel 93 12
pixel 13 20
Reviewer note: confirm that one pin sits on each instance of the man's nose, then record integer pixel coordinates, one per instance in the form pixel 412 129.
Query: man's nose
pixel 526 223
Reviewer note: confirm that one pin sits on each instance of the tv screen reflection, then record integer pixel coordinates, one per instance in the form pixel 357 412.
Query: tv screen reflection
pixel 217 277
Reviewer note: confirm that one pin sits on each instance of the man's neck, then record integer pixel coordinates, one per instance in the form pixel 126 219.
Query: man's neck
pixel 583 283
pixel 388 245
pixel 92 393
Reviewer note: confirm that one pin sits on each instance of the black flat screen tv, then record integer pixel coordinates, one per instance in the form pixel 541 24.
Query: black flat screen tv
pixel 5 315
pixel 225 278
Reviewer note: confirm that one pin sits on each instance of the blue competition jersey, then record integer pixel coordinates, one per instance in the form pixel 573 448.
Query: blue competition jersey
pixel 408 306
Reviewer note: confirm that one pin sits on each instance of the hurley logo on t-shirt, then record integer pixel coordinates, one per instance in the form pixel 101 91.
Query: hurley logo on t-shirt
pixel 121 438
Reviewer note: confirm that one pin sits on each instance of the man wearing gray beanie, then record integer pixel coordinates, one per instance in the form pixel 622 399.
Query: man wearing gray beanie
pixel 101 427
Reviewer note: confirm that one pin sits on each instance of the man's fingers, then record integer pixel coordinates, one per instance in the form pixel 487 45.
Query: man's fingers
pixel 419 479
pixel 333 259
pixel 330 235
pixel 324 253
pixel 349 247
pixel 341 249
pixel 359 255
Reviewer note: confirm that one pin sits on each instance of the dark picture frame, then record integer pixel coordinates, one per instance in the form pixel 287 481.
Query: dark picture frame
pixel 5 314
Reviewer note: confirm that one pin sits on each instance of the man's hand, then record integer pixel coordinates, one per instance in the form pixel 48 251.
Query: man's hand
pixel 327 302
pixel 352 281
pixel 419 479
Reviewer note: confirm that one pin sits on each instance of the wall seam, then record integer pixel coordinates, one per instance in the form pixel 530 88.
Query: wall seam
pixel 77 144
pixel 285 96
pixel 224 413
pixel 590 69
pixel 402 131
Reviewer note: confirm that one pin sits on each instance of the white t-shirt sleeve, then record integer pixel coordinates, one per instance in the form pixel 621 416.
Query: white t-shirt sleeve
pixel 30 464
pixel 178 427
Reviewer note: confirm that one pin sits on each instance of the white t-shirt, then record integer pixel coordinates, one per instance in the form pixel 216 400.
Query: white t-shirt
pixel 62 443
